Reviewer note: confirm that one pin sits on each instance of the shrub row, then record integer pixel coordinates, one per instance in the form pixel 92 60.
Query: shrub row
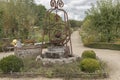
pixel 101 45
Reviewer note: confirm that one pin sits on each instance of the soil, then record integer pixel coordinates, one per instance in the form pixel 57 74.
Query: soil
pixel 111 57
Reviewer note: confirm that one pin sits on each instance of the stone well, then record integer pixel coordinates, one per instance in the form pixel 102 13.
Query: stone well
pixel 57 55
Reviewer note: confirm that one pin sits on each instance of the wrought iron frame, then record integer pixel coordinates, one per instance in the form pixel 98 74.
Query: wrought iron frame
pixel 57 6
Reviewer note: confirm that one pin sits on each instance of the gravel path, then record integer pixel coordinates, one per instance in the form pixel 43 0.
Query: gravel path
pixel 111 57
pixel 5 54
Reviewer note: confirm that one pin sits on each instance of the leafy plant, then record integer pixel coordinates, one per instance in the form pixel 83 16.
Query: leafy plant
pixel 49 74
pixel 89 65
pixel 46 38
pixel 102 22
pixel 11 64
pixel 89 54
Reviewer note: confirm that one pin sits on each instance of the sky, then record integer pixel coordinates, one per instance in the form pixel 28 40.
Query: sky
pixel 75 8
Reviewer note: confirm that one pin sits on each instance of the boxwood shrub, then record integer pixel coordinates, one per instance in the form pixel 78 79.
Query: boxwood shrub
pixel 89 54
pixel 103 45
pixel 11 64
pixel 89 65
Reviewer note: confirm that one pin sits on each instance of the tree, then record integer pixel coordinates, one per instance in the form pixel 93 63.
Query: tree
pixel 1 13
pixel 18 17
pixel 40 11
pixel 75 23
pixel 104 21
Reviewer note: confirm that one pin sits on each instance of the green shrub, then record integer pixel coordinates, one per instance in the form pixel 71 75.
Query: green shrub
pixel 11 64
pixel 49 74
pixel 46 38
pixel 89 65
pixel 89 54
pixel 103 45
pixel 101 23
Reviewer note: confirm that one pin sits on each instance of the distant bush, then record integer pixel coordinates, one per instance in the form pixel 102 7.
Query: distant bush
pixel 117 41
pixel 89 65
pixel 11 64
pixel 46 38
pixel 89 54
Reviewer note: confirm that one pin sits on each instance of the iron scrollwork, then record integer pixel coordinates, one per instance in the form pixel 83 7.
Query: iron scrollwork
pixel 56 4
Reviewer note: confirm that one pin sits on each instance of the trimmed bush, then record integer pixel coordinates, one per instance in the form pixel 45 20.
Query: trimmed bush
pixel 11 64
pixel 89 54
pixel 89 65
pixel 103 45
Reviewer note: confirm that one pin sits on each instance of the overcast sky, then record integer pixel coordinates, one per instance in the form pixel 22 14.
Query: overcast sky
pixel 75 8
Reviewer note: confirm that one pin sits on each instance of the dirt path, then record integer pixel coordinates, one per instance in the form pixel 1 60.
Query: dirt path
pixel 111 57
pixel 5 54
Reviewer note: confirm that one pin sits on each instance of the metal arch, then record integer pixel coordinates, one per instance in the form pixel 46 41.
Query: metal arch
pixel 65 13
pixel 56 6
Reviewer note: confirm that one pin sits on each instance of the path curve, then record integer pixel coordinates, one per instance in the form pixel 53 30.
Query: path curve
pixel 111 57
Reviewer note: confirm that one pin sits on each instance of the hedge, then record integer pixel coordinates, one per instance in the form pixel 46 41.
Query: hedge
pixel 102 45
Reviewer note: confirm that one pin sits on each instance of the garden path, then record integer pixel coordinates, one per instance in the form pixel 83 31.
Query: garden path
pixel 111 57
pixel 3 54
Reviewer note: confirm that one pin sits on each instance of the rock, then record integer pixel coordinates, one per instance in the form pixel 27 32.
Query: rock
pixel 38 58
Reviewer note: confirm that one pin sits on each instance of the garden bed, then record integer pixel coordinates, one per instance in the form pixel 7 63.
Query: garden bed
pixel 88 66
pixel 35 69
pixel 56 75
